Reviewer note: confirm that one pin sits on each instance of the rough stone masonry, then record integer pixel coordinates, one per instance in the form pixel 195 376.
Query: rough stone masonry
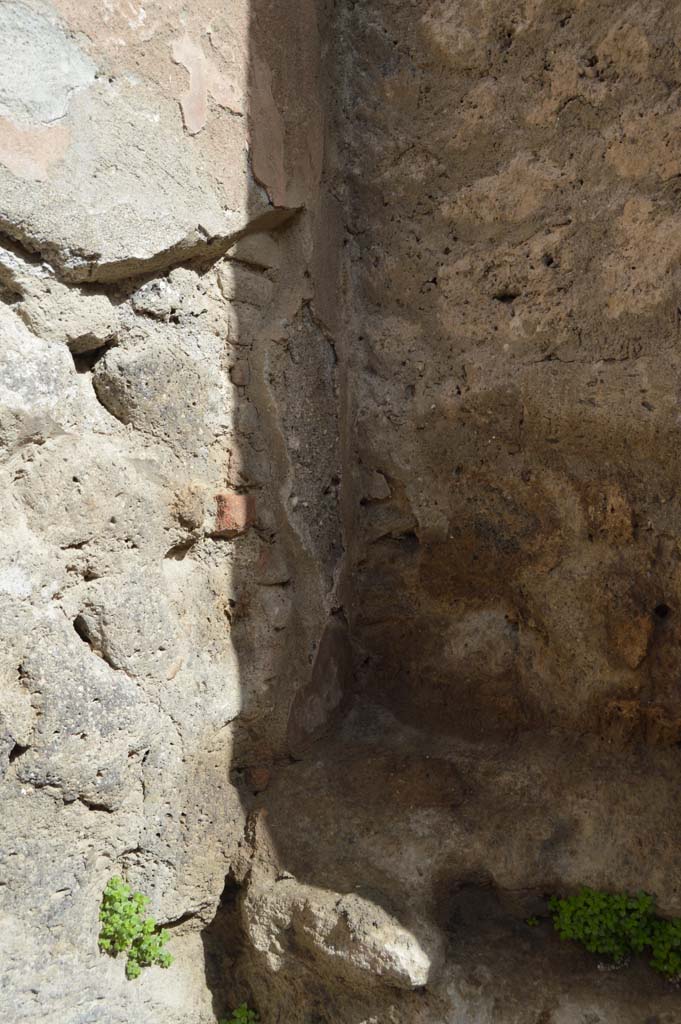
pixel 340 572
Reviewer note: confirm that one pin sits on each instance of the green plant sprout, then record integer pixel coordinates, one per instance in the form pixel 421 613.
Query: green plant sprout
pixel 617 925
pixel 242 1015
pixel 125 929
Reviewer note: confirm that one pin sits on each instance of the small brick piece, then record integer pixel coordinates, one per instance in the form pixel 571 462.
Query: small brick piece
pixel 235 513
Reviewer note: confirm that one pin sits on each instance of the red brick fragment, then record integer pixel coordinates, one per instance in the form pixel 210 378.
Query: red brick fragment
pixel 235 513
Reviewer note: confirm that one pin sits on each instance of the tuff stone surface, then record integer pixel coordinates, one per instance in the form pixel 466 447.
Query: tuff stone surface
pixel 340 578
pixel 516 367
pixel 509 371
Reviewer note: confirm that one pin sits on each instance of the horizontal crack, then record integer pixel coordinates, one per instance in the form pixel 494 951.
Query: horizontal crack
pixel 77 268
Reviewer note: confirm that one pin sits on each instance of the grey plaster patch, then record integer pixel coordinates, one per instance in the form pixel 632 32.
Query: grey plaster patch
pixel 40 66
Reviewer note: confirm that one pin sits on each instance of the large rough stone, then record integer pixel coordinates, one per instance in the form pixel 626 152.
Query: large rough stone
pixel 131 382
pixel 345 934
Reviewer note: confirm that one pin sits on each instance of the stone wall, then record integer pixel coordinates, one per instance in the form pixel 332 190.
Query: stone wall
pixel 340 576
pixel 510 373
pixel 516 365
pixel 169 456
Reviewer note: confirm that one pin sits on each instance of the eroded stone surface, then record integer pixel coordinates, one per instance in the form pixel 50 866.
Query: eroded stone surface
pixel 517 369
pixel 153 637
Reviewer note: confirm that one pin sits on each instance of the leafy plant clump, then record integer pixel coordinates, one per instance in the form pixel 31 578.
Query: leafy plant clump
pixel 618 926
pixel 125 929
pixel 242 1015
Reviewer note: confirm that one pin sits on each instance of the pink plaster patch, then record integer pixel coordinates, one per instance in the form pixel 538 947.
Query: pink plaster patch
pixel 31 152
pixel 205 79
pixel 194 103
pixel 267 135
pixel 226 92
